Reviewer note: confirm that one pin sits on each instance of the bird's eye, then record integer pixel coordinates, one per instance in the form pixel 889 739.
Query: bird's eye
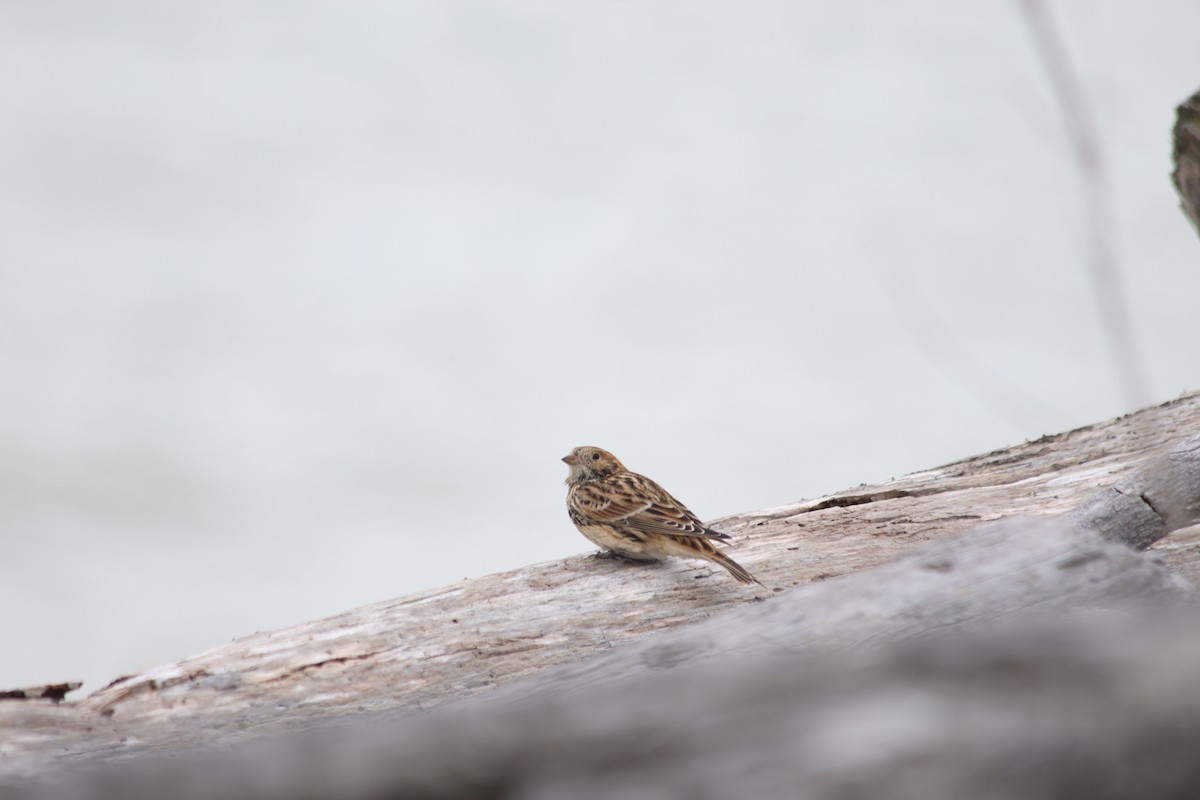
pixel 595 456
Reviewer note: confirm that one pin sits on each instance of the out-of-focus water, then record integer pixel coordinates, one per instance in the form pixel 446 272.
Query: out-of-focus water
pixel 301 303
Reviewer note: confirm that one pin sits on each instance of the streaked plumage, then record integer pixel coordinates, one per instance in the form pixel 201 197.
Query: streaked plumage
pixel 630 515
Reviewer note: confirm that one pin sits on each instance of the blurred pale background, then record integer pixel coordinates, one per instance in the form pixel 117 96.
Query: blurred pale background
pixel 300 303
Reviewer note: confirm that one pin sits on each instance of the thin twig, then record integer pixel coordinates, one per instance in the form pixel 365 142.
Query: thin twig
pixel 1099 211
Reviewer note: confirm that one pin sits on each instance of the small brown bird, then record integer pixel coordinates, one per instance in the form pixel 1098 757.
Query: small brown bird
pixel 630 515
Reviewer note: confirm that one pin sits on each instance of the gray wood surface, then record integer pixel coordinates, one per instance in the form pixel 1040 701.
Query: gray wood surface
pixel 1133 480
pixel 1009 648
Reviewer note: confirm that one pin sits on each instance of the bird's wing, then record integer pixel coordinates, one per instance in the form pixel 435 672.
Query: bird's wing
pixel 635 500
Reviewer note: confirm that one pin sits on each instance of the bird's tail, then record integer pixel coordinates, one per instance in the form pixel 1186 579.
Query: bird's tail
pixel 735 569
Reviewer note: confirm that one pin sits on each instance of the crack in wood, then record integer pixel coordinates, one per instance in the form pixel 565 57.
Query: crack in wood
pixel 1145 498
pixel 334 660
pixel 848 500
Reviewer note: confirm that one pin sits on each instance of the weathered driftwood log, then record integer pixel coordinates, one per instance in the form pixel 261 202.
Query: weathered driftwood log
pixel 1187 158
pixel 453 643
pixel 439 646
pixel 743 704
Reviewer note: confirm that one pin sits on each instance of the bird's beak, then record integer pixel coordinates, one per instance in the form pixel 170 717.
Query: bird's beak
pixel 570 459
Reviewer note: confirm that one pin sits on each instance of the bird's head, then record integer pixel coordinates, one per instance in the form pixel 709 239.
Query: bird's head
pixel 588 463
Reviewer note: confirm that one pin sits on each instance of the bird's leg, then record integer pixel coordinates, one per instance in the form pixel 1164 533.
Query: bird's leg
pixel 613 555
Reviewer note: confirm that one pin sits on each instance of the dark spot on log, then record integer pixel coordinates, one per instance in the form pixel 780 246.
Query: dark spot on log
pixel 793 548
pixel 1080 560
pixel 938 566
pixel 51 691
pixel 454 621
pixel 670 655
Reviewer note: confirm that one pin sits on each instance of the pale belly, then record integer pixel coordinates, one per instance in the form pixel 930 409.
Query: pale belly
pixel 606 538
